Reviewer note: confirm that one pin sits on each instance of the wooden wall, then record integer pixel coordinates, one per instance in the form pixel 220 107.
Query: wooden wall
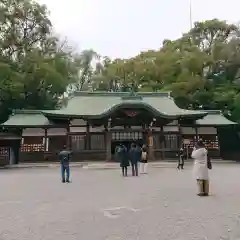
pixel 39 145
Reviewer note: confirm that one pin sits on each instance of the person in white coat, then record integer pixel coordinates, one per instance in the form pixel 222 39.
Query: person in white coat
pixel 200 169
pixel 144 160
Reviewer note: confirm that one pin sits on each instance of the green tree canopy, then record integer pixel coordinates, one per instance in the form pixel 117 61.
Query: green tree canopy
pixel 35 67
pixel 201 68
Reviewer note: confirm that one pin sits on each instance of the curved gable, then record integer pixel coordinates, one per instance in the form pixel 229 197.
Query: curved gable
pixel 98 105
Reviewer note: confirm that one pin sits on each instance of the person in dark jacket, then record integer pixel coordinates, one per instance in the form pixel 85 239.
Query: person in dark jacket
pixel 135 156
pixel 64 156
pixel 117 148
pixel 181 159
pixel 123 159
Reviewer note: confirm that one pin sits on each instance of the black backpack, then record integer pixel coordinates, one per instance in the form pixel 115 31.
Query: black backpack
pixel 209 163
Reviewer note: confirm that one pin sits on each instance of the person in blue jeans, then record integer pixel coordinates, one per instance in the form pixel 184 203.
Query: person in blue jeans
pixel 64 156
pixel 135 157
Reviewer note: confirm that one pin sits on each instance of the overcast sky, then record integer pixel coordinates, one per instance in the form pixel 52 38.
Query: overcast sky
pixel 123 28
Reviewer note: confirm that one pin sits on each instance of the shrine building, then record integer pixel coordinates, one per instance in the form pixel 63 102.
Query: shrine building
pixel 92 124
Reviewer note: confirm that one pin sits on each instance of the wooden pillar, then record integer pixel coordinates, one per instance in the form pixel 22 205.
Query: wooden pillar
pixel 180 136
pixel 164 143
pixel 145 135
pixel 108 145
pixel 218 141
pixel 46 140
pixel 88 142
pixel 69 142
pixel 108 141
pixel 150 145
pixel 22 141
pixel 196 133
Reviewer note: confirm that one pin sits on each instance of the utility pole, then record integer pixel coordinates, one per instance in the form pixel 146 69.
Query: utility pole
pixel 190 14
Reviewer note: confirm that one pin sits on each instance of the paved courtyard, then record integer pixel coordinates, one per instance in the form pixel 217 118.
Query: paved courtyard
pixel 101 205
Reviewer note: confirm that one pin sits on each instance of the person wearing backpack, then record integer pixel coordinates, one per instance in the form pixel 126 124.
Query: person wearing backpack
pixel 64 156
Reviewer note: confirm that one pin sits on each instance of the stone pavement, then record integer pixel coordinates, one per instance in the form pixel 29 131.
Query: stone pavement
pixel 107 165
pixel 101 205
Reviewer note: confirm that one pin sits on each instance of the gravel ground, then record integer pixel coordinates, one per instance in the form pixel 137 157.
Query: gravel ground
pixel 101 205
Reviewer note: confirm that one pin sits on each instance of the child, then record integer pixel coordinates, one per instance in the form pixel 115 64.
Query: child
pixel 181 159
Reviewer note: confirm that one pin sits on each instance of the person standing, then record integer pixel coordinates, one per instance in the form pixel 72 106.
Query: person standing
pixel 123 159
pixel 135 156
pixel 200 169
pixel 181 159
pixel 116 150
pixel 64 156
pixel 144 160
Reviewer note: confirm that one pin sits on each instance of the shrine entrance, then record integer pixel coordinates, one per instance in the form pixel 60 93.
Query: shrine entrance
pixel 129 124
pixel 127 138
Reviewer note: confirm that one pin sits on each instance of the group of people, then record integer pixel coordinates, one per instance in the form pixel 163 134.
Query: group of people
pixel 133 157
pixel 137 154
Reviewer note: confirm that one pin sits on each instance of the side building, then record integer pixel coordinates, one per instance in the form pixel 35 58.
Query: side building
pixel 94 123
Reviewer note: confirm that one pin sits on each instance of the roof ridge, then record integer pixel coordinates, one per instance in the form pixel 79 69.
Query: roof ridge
pixel 120 94
pixel 27 111
pixel 155 94
pixel 212 111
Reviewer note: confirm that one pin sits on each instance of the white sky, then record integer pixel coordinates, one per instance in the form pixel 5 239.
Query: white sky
pixel 123 28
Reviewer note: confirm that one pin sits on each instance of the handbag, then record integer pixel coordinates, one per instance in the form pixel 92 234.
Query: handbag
pixel 209 163
pixel 144 156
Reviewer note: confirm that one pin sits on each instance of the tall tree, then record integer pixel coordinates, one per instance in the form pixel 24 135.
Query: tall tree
pixel 202 68
pixel 35 68
pixel 86 62
pixel 24 25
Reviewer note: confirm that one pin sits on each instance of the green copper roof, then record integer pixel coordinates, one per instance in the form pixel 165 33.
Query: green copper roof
pixel 35 118
pixel 215 118
pixel 101 104
pixel 28 118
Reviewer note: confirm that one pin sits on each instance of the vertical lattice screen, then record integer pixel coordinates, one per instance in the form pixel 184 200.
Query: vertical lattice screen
pixel 97 142
pixel 158 141
pixel 170 141
pixel 78 142
pixel 121 136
